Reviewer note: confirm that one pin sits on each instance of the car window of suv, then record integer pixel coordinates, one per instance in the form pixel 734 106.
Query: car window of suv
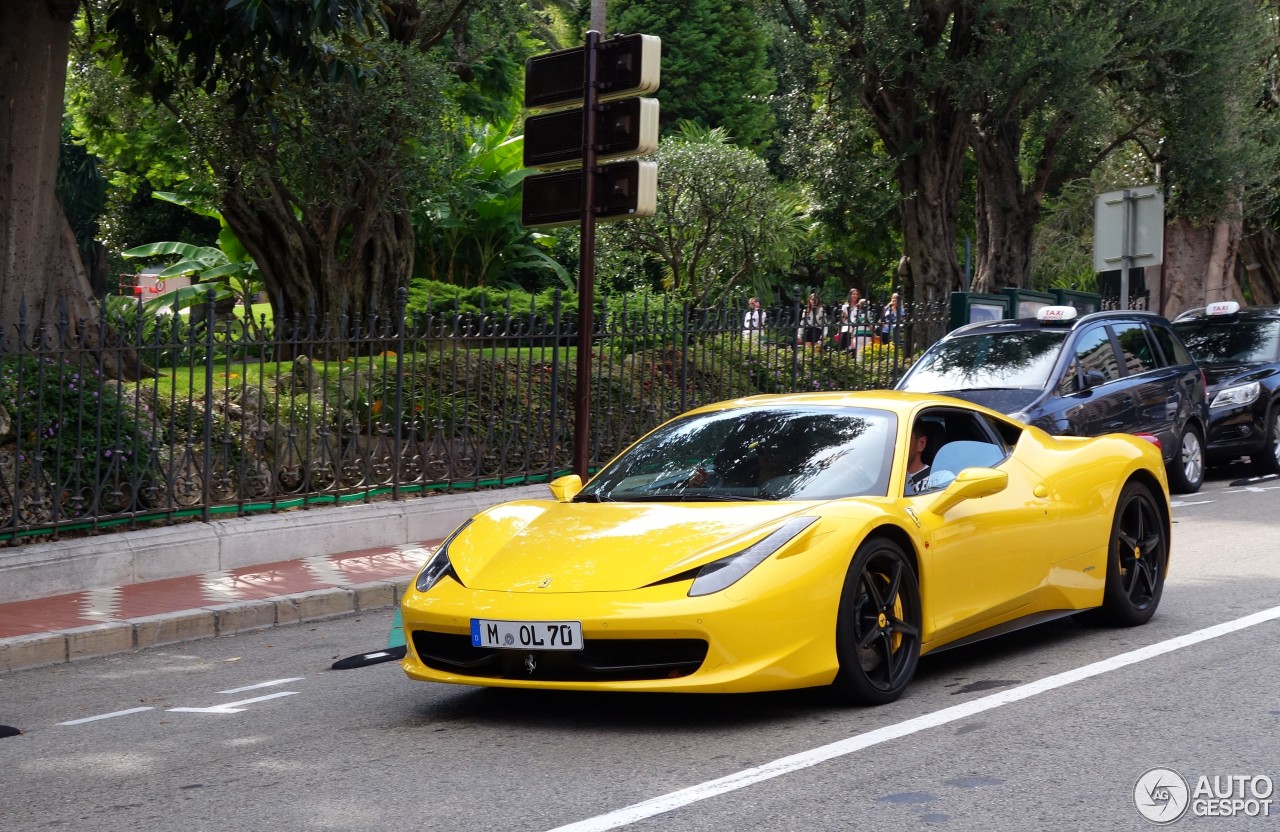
pixel 1135 349
pixel 1094 356
pixel 1175 353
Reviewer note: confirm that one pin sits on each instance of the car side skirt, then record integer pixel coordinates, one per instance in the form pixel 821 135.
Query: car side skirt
pixel 1011 626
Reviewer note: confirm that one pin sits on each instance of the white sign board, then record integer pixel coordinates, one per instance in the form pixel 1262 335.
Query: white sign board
pixel 1128 223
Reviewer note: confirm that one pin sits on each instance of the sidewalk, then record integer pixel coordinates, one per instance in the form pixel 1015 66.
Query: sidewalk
pixel 133 614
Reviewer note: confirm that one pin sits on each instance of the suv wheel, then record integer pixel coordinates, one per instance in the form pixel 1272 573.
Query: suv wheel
pixel 1186 469
pixel 1267 461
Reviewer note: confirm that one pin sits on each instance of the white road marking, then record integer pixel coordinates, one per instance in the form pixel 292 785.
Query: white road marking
pixel 1253 489
pixel 105 716
pixel 806 759
pixel 1181 503
pixel 264 685
pixel 233 707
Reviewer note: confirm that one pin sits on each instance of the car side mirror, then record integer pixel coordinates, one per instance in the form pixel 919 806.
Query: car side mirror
pixel 970 484
pixel 1092 379
pixel 565 488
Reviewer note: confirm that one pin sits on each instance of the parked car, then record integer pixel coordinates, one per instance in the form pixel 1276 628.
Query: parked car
pixel 1239 351
pixel 1107 372
pixel 780 542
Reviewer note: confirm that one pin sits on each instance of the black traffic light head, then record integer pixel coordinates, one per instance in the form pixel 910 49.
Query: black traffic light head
pixel 622 190
pixel 629 65
pixel 623 128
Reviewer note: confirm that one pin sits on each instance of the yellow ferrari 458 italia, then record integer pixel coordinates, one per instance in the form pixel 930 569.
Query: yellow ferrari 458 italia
pixel 793 541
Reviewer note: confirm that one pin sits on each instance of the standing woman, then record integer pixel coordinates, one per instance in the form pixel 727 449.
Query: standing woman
pixel 813 322
pixel 860 318
pixel 848 310
pixel 890 319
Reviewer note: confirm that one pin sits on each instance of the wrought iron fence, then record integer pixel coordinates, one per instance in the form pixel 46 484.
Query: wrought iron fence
pixel 235 416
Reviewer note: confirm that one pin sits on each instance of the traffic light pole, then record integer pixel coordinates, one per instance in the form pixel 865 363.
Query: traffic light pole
pixel 586 260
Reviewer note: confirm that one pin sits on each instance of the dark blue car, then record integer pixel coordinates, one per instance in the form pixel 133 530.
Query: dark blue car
pixel 1239 351
pixel 1108 372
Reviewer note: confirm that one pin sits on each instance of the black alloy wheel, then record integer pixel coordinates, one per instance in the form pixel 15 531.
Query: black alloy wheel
pixel 1186 469
pixel 879 624
pixel 1137 559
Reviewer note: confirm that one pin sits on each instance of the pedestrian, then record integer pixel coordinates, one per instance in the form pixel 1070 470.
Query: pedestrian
pixel 753 322
pixel 813 323
pixel 847 311
pixel 889 320
pixel 862 328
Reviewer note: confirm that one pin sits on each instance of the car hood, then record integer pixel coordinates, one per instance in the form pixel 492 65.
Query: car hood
pixel 1001 400
pixel 545 546
pixel 1219 376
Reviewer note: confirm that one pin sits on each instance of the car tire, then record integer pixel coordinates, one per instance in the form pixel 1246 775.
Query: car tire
pixel 1137 559
pixel 1186 469
pixel 878 626
pixel 1267 460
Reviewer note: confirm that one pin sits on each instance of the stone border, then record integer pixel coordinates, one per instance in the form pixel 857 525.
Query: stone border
pixel 78 643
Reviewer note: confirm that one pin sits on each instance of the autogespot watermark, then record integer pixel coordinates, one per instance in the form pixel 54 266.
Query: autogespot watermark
pixel 1162 795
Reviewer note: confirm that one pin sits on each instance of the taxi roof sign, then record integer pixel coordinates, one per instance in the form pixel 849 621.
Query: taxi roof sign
pixel 1222 307
pixel 1056 314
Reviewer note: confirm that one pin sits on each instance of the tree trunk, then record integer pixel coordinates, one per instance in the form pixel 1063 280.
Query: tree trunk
pixel 924 129
pixel 597 17
pixel 1006 211
pixel 42 277
pixel 333 264
pixel 930 185
pixel 1259 265
pixel 1199 265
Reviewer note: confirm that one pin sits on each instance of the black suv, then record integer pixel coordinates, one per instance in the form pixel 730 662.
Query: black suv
pixel 1239 351
pixel 1108 372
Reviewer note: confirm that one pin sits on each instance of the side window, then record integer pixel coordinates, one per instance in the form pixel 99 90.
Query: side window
pixel 1005 432
pixel 1070 382
pixel 1096 357
pixel 954 440
pixel 1136 351
pixel 1174 352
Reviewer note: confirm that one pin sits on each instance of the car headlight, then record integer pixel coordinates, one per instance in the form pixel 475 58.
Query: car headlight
pixel 439 565
pixel 727 571
pixel 1237 396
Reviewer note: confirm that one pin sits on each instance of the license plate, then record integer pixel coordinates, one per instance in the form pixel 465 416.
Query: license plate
pixel 526 635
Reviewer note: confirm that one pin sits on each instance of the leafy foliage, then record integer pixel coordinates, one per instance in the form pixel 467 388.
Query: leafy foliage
pixel 470 231
pixel 55 404
pixel 713 63
pixel 723 222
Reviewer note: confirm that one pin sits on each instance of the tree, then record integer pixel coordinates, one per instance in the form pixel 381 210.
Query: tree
pixel 41 273
pixel 313 178
pixel 722 222
pixel 713 62
pixel 899 64
pixel 262 59
pixel 1058 88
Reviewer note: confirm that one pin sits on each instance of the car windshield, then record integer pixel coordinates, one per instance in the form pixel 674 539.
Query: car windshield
pixel 755 453
pixel 1237 342
pixel 1014 359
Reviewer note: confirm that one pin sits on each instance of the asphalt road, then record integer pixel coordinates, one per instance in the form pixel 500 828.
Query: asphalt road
pixel 1049 728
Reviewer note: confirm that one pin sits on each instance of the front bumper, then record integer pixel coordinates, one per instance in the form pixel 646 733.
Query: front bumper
pixel 1235 430
pixel 750 637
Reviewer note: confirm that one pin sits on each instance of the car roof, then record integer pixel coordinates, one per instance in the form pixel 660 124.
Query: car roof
pixel 1032 324
pixel 1245 313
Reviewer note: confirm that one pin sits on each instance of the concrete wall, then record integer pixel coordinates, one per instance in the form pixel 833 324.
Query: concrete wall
pixel 113 559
